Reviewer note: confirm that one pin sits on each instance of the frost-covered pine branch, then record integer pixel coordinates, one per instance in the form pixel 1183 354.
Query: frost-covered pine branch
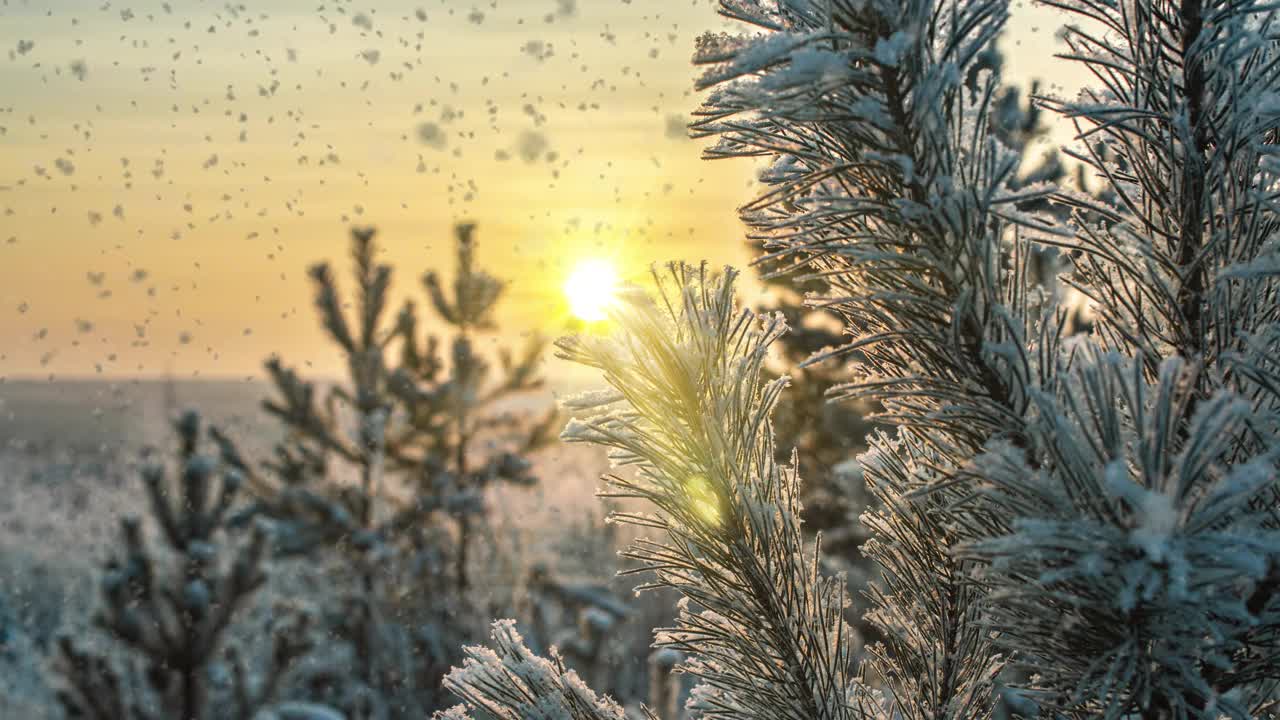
pixel 1160 460
pixel 688 410
pixel 1068 527
pixel 889 183
pixel 1135 575
pixel 1181 126
pixel 509 682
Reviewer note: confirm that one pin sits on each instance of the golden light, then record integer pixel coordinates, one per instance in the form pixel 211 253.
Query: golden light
pixel 703 498
pixel 591 288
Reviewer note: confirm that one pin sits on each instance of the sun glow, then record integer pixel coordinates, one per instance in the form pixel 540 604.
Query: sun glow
pixel 591 288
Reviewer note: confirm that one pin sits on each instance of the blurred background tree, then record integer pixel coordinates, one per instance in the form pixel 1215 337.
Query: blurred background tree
pixel 383 475
pixel 169 601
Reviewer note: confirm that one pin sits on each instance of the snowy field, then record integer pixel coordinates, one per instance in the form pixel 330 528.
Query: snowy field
pixel 68 473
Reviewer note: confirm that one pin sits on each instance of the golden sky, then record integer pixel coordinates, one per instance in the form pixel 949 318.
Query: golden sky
pixel 169 169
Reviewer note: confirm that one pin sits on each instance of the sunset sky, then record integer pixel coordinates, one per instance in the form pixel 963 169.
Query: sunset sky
pixel 169 169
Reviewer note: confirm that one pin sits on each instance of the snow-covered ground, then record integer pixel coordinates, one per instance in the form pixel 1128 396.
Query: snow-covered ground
pixel 68 474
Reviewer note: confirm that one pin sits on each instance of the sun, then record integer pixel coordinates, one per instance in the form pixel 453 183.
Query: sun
pixel 591 288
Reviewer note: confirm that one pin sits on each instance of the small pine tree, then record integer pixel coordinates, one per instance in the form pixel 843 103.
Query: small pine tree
pixel 387 470
pixel 169 612
pixel 1068 526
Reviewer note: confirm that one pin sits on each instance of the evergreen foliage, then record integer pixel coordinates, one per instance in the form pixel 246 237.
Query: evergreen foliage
pixel 826 436
pixel 169 601
pixel 1068 526
pixel 387 471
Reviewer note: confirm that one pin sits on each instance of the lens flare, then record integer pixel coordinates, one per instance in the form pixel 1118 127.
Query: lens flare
pixel 703 499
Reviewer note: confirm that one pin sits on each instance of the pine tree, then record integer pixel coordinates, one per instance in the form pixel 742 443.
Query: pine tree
pixel 169 603
pixel 1068 526
pixel 387 472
